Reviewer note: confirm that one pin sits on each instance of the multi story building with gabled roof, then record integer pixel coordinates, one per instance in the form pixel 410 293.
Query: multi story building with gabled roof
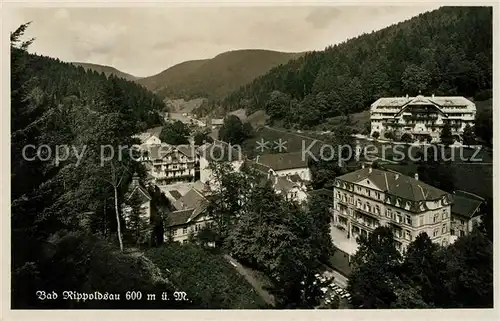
pixel 421 116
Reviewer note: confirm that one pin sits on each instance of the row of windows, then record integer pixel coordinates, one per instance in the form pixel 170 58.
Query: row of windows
pixel 444 229
pixel 196 228
pixel 406 234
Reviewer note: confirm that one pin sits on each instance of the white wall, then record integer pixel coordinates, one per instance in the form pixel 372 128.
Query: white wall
pixel 153 140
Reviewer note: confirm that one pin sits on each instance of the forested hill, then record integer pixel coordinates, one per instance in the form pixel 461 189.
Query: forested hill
pixel 107 70
pixel 215 78
pixel 64 116
pixel 444 52
pixel 58 81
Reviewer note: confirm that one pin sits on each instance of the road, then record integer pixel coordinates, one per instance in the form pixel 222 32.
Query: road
pixel 256 284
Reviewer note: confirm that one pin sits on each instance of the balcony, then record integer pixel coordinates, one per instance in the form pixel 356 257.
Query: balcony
pixel 365 223
pixel 363 211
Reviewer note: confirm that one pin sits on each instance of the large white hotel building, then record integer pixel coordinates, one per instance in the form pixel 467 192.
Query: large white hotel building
pixel 421 116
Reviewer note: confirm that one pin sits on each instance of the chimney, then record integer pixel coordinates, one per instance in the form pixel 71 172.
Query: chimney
pixel 397 176
pixel 370 170
pixel 362 165
pixel 257 158
pixel 406 96
pixel 416 176
pixel 269 174
pixel 432 96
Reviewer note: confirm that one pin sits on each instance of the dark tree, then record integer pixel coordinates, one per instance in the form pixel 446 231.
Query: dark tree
pixel 446 136
pixel 376 135
pixel 406 138
pixel 176 133
pixel 233 131
pixel 484 126
pixel 468 136
pixel 389 135
pixel 373 280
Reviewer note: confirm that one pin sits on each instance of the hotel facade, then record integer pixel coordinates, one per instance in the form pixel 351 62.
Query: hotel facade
pixel 368 198
pixel 421 116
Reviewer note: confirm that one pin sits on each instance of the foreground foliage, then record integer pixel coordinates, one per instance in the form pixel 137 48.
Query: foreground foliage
pixel 75 113
pixel 428 276
pixel 207 278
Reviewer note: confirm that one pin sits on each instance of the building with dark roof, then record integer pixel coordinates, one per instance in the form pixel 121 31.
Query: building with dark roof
pixel 137 193
pixel 292 187
pixel 465 213
pixel 368 198
pixel 189 217
pixel 287 164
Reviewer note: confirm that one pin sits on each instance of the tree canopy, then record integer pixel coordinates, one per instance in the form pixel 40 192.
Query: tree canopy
pixel 432 53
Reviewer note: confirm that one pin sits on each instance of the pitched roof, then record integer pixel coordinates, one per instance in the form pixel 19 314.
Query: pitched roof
pixel 283 161
pixel 441 101
pixel 142 192
pixel 395 184
pixel 322 192
pixel 156 131
pixel 220 151
pixel 175 194
pixel 193 203
pixel 179 217
pixel 465 206
pixel 187 150
pixel 283 184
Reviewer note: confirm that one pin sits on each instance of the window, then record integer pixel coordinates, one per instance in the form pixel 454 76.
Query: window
pixel 443 230
pixel 377 209
pixel 399 218
pixel 436 217
pixel 368 191
pixel 462 233
pixel 444 214
pixel 174 232
pixel 408 235
pixel 184 230
pixel 421 220
pixel 452 232
pixel 462 222
pixel 436 232
pixel 408 219
pixel 378 195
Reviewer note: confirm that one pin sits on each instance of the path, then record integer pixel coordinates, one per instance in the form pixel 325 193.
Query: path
pixel 256 284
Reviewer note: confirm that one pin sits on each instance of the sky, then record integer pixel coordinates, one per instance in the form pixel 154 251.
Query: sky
pixel 146 41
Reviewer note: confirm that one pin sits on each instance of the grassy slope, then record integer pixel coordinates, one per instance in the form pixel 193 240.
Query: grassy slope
pixel 206 276
pixel 215 77
pixel 106 69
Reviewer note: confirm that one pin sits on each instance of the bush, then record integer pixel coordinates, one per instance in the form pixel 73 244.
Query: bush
pixel 86 263
pixel 389 135
pixel 376 135
pixel 207 277
pixel 406 138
